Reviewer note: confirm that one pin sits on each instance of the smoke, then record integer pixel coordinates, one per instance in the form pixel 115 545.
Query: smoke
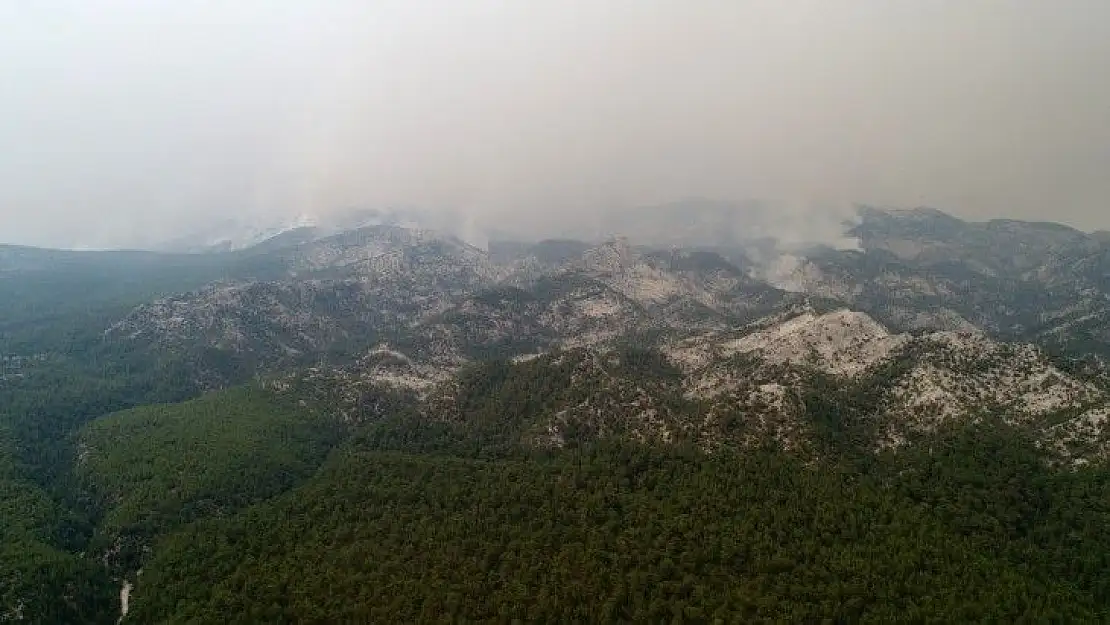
pixel 125 121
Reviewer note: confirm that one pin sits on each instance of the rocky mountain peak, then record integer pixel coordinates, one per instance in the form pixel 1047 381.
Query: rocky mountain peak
pixel 615 256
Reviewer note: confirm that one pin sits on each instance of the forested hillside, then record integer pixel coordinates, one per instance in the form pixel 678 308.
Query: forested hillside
pixel 980 532
pixel 390 425
pixel 156 467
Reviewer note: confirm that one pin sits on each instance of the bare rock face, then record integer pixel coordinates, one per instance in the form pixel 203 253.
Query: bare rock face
pixel 840 343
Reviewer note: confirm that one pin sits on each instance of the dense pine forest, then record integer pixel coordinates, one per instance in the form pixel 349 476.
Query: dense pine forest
pixel 249 506
pixel 633 534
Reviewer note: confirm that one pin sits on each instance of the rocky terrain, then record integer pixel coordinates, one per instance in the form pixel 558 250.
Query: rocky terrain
pixel 931 318
pixel 924 270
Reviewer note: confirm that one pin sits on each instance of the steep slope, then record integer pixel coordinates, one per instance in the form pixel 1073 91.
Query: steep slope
pixel 608 293
pixel 686 288
pixel 839 343
pixel 629 535
pixel 438 298
pixel 925 270
pixel 157 467
pixel 229 331
pixel 341 295
pixel 563 310
pixel 907 385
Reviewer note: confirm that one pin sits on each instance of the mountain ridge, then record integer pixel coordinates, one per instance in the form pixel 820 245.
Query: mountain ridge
pixel 934 350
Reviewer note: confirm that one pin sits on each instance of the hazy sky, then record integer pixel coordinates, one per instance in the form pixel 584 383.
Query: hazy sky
pixel 121 119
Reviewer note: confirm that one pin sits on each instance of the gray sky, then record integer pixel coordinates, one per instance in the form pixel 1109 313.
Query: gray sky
pixel 128 118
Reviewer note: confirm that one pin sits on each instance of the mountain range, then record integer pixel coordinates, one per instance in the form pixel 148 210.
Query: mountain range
pixel 189 393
